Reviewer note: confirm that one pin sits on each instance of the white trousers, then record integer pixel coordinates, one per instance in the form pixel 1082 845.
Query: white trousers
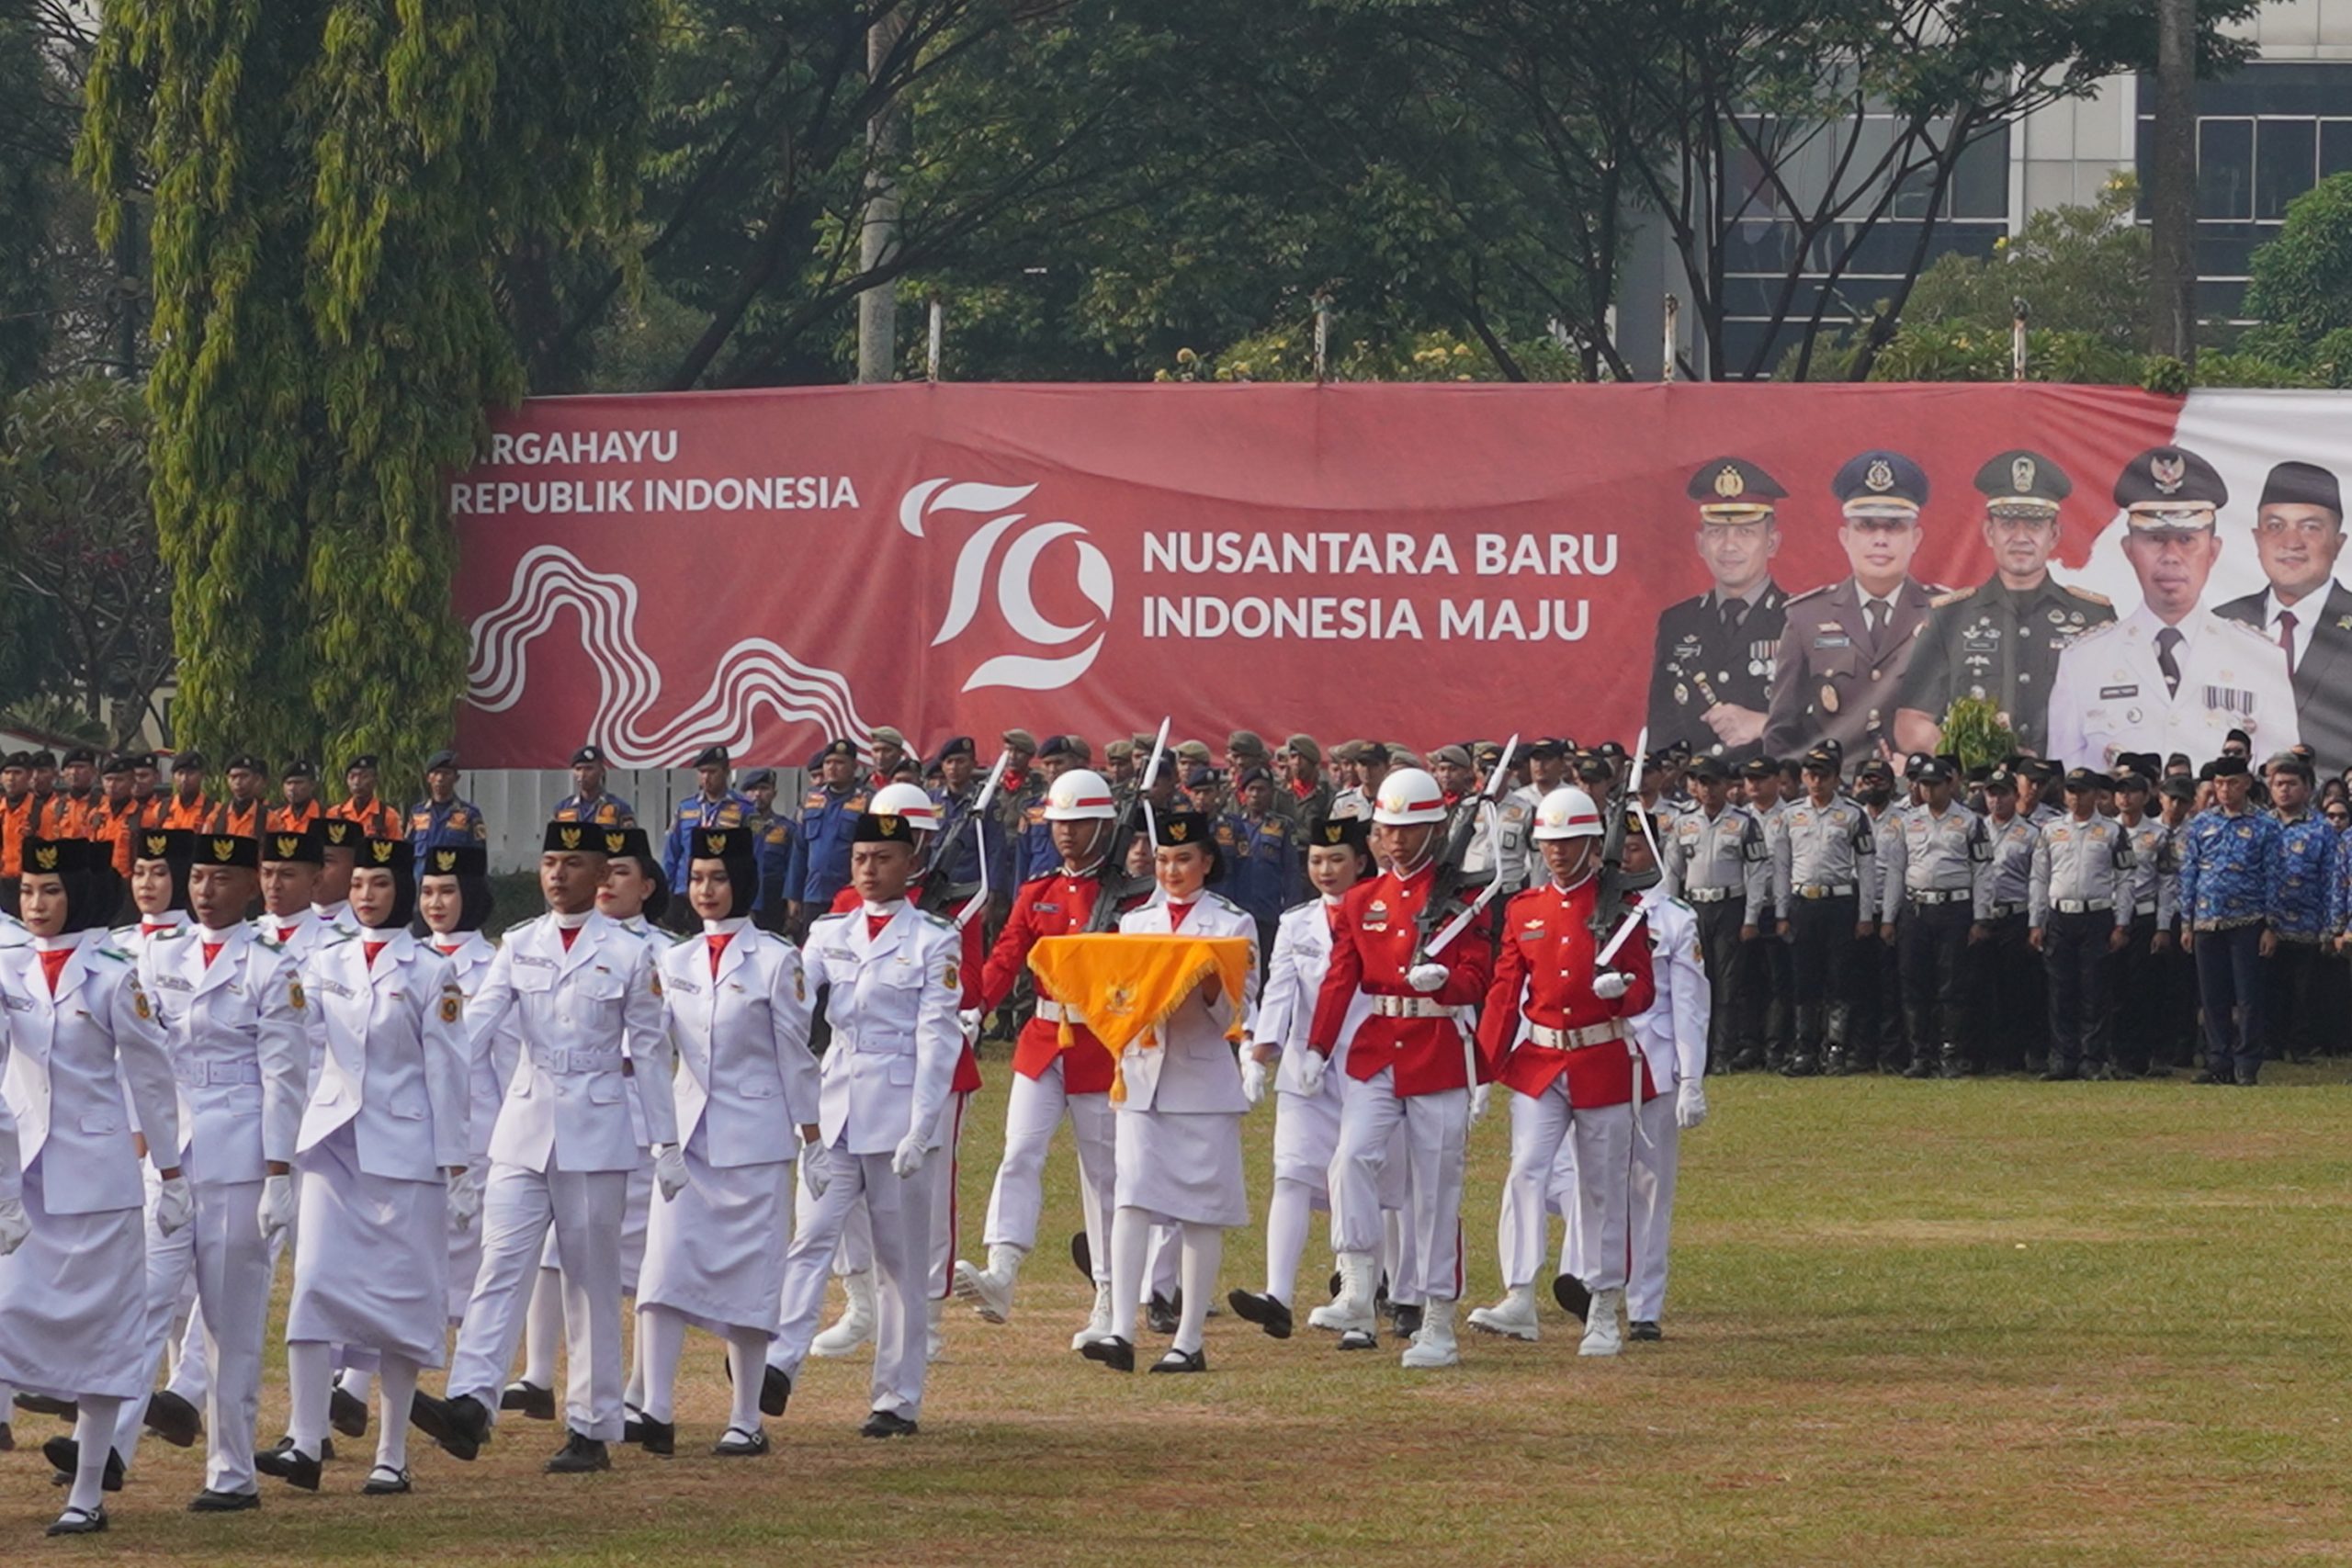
pixel 1650 1194
pixel 585 1210
pixel 223 1249
pixel 1602 1141
pixel 1436 1135
pixel 943 1170
pixel 900 1212
pixel 1033 1111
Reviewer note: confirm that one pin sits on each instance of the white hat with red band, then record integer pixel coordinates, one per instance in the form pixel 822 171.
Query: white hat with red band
pixel 1079 795
pixel 1408 796
pixel 1566 813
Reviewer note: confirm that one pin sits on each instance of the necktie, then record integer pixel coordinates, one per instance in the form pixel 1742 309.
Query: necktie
pixel 569 934
pixel 1734 612
pixel 718 946
pixel 368 949
pixel 211 951
pixel 2287 640
pixel 1873 613
pixel 52 965
pixel 2166 642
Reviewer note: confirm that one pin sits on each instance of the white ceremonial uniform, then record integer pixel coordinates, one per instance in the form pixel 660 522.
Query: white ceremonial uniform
pixel 637 1208
pixel 2111 694
pixel 562 1148
pixel 1179 1122
pixel 388 1117
pixel 1672 1033
pixel 72 1310
pixel 489 1067
pixel 748 1085
pixel 241 1047
pixel 891 998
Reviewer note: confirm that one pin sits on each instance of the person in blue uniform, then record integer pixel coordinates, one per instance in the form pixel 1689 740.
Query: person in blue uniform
pixel 819 866
pixel 2229 884
pixel 960 783
pixel 713 805
pixel 590 801
pixel 1259 851
pixel 771 849
pixel 441 821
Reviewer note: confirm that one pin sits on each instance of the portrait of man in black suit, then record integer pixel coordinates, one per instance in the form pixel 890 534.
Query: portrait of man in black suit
pixel 2298 533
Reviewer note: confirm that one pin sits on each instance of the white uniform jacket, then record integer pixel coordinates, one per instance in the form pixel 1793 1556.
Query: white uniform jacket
pixel 1193 1068
pixel 70 1058
pixel 892 1000
pixel 1672 1031
pixel 240 1047
pixel 393 1045
pixel 567 1101
pixel 490 1063
pixel 1293 978
pixel 742 1037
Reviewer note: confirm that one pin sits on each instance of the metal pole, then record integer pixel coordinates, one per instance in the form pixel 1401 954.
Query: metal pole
pixel 1673 318
pixel 931 357
pixel 2017 340
pixel 1322 337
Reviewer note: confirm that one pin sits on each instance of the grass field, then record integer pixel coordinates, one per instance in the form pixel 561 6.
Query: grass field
pixel 1978 1324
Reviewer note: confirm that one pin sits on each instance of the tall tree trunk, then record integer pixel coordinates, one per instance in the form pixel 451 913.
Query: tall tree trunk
pixel 2172 207
pixel 877 308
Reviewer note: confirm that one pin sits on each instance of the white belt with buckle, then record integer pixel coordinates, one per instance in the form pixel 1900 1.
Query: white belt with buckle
pixel 1939 895
pixel 1826 890
pixel 2147 908
pixel 2001 911
pixel 1058 1012
pixel 1712 895
pixel 1409 1007
pixel 2086 905
pixel 1577 1039
pixel 576 1059
pixel 196 1074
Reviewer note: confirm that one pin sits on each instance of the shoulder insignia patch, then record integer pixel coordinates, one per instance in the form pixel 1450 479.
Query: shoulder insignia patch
pixel 2086 594
pixel 1954 597
pixel 1795 599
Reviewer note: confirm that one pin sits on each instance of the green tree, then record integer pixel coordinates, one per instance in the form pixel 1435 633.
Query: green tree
pixel 338 190
pixel 2301 286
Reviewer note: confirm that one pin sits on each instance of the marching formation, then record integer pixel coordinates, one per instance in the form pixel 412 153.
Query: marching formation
pixel 304 1052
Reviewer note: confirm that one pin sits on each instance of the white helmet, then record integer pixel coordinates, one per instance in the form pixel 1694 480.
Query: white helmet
pixel 1079 795
pixel 909 801
pixel 1408 796
pixel 1566 813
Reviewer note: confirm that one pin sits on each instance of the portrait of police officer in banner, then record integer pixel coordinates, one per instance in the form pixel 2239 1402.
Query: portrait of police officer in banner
pixel 2001 639
pixel 2299 534
pixel 1846 645
pixel 1711 671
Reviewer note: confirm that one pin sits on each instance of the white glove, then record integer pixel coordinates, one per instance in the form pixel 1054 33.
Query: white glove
pixel 14 1225
pixel 465 1200
pixel 1426 976
pixel 969 1022
pixel 1311 1068
pixel 1690 1103
pixel 174 1205
pixel 1609 985
pixel 277 1206
pixel 908 1159
pixel 1479 1094
pixel 1253 1078
pixel 670 1170
pixel 815 1169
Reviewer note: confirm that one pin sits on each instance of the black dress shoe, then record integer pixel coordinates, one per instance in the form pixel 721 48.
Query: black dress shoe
pixel 1642 1329
pixel 2248 1076
pixel 2211 1078
pixel 347 1413
pixel 1407 1320
pixel 1335 1284
pixel 385 1482
pixel 79 1521
pixel 579 1456
pixel 1160 1317
pixel 1747 1061
pixel 534 1401
pixel 460 1425
pixel 739 1444
pixel 1574 1299
pixel 1182 1361
pixel 1798 1067
pixel 776 1392
pixel 64 1456
pixel 173 1420
pixel 49 1404
pixel 2100 1072
pixel 1921 1068
pixel 1117 1354
pixel 1081 1255
pixel 8 1438
pixel 291 1465
pixel 1265 1311
pixel 1358 1339
pixel 210 1502
pixel 2060 1073
pixel 887 1424
pixel 653 1437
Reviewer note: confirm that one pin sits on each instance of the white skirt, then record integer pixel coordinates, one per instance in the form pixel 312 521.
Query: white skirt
pixel 715 1253
pixel 372 1272
pixel 1183 1167
pixel 74 1301
pixel 635 1208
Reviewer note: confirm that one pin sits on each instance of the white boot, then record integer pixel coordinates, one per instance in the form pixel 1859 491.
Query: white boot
pixel 990 1290
pixel 1351 1308
pixel 938 1306
pixel 1433 1346
pixel 1098 1326
pixel 1600 1333
pixel 1512 1318
pixel 855 1325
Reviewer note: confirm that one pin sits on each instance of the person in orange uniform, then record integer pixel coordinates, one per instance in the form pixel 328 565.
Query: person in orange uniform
pixel 1048 1078
pixel 1409 1062
pixel 301 806
pixel 114 817
pixel 16 824
pixel 1553 1031
pixel 360 804
pixel 189 809
pixel 245 813
pixel 67 813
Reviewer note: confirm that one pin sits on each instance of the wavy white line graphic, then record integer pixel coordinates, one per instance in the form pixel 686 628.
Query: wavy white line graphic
pixel 755 673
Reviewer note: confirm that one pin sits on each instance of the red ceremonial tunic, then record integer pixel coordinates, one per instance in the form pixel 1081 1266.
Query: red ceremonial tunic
pixel 1057 904
pixel 1545 973
pixel 1372 940
pixel 968 972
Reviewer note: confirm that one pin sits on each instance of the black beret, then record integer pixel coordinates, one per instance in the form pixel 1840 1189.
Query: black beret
pixel 445 758
pixel 165 844
pixel 1173 830
pixel 572 838
pixel 308 845
pixel 395 855
pixel 587 755
pixel 62 857
pixel 722 843
pixel 711 757
pixel 227 848
pixel 1332 831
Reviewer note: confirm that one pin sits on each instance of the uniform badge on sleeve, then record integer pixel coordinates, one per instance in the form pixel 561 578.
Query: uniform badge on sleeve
pixel 139 1003
pixel 654 977
pixel 294 995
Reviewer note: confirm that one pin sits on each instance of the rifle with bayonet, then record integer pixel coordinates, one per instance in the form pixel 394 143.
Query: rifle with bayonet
pixel 1115 888
pixel 1454 890
pixel 939 895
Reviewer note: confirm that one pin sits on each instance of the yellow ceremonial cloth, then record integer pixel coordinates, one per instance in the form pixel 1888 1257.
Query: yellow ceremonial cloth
pixel 1128 985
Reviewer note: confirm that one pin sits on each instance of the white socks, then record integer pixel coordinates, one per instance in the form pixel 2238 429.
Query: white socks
pixel 310 1382
pixel 94 1430
pixel 1203 1249
pixel 747 1353
pixel 396 1381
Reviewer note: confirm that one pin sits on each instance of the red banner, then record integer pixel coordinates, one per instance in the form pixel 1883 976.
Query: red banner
pixel 768 570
